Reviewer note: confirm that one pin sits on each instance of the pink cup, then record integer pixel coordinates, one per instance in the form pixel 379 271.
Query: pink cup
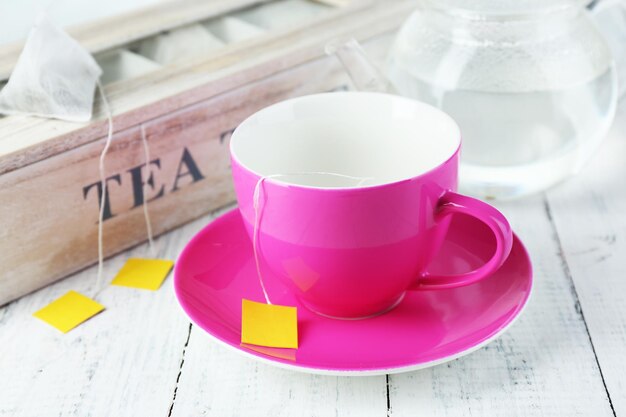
pixel 351 248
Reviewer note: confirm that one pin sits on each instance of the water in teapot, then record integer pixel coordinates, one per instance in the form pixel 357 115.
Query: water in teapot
pixel 518 143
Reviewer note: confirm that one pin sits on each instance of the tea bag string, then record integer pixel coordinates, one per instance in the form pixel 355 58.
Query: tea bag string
pixel 258 211
pixel 103 186
pixel 146 213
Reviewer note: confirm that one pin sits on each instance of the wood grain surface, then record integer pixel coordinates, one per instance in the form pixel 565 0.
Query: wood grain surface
pixel 589 214
pixel 141 357
pixel 564 357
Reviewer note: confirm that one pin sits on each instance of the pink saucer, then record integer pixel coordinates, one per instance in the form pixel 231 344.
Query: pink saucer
pixel 216 270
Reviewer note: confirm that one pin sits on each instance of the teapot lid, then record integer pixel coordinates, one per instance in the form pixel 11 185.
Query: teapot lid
pixel 504 8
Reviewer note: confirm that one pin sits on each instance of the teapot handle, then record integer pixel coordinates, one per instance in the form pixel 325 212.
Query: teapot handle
pixel 610 19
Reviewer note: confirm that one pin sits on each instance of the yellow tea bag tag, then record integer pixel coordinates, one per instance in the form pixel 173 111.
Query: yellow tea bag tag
pixel 269 325
pixel 69 311
pixel 147 274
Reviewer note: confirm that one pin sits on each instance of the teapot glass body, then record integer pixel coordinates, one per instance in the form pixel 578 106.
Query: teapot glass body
pixel 532 85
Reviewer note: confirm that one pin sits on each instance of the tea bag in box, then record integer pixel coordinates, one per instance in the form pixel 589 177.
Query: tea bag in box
pixel 54 77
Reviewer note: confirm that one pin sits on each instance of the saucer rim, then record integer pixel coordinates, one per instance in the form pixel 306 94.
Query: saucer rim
pixel 367 372
pixel 355 372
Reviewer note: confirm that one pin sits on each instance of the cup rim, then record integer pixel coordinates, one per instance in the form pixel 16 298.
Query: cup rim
pixel 278 182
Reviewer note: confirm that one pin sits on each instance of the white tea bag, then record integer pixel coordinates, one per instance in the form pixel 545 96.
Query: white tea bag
pixel 54 77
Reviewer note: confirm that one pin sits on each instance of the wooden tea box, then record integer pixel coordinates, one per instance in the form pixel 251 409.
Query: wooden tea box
pixel 188 72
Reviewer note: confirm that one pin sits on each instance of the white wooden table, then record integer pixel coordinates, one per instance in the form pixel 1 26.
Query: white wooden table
pixel 565 357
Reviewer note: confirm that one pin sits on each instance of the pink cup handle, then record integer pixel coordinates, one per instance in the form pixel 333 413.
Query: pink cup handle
pixel 451 203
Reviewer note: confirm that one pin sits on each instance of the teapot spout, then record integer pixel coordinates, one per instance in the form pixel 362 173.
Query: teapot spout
pixel 364 74
pixel 610 19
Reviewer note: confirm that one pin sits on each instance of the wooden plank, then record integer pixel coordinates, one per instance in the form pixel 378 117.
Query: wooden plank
pixel 25 141
pixel 544 365
pixel 112 32
pixel 36 251
pixel 590 215
pixel 217 381
pixel 123 362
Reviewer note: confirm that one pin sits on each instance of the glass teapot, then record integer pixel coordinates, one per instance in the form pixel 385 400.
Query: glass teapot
pixel 532 84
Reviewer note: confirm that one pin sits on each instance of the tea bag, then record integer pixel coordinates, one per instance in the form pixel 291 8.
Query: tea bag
pixel 268 324
pixel 54 77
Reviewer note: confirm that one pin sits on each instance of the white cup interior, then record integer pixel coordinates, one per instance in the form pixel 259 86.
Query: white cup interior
pixel 348 139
